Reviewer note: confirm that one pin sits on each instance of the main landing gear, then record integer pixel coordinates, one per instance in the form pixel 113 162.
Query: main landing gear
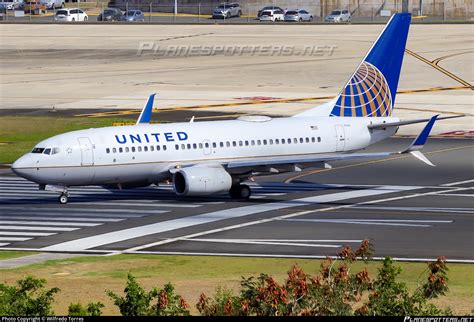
pixel 241 191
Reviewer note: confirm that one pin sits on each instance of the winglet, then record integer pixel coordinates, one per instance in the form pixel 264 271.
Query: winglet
pixel 419 142
pixel 145 115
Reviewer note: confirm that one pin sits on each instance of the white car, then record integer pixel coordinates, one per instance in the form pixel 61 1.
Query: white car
pixel 73 14
pixel 338 16
pixel 272 15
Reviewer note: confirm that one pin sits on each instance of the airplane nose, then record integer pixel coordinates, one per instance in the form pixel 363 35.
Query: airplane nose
pixel 22 167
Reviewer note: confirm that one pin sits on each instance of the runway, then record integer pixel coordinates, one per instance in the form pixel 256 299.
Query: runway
pixel 408 210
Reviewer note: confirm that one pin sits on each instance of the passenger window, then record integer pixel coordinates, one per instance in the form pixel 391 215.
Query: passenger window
pixel 240 143
pixel 259 142
pixel 307 140
pixel 114 150
pixel 206 145
pixel 200 145
pixel 152 148
pixel 133 149
pixel 271 141
pixel 289 141
pixel 319 139
pixel 253 142
pixel 227 144
pixel 157 148
pixel 214 145
pixel 176 146
pixel 277 141
pixel 164 147
pixel 246 143
pixel 120 150
pixel 264 142
pixel 195 146
pixel 234 143
pixel 221 144
pixel 301 140
pixel 127 149
pixel 313 139
pixel 188 146
pixel 107 150
pixel 295 140
pixel 145 148
pixel 183 146
pixel 139 149
pixel 282 141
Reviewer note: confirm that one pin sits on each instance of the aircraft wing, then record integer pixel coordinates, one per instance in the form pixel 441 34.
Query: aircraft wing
pixel 414 149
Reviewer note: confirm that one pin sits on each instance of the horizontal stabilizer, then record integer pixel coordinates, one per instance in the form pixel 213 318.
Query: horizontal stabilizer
pixel 145 115
pixel 408 122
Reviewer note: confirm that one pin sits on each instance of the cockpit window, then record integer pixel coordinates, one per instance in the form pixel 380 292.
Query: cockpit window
pixel 47 151
pixel 55 150
pixel 37 150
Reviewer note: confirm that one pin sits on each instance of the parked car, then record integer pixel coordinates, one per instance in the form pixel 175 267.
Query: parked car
pixel 338 16
pixel 298 15
pixel 53 4
pixel 227 10
pixel 72 14
pixel 268 8
pixel 12 4
pixel 272 15
pixel 133 15
pixel 110 14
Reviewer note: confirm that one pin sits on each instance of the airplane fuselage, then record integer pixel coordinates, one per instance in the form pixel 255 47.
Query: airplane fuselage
pixel 146 153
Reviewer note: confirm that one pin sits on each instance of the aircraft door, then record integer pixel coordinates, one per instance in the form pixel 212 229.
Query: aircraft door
pixel 340 138
pixel 87 154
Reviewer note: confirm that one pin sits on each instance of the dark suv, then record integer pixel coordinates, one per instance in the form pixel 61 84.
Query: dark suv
pixel 110 14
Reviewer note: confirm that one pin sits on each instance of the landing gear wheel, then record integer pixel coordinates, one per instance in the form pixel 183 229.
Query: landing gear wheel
pixel 63 199
pixel 244 191
pixel 240 192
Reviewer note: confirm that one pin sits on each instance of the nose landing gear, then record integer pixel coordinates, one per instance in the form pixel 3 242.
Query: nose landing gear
pixel 63 198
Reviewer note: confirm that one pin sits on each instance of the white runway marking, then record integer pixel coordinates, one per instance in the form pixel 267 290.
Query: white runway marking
pixel 23 233
pixel 126 234
pixel 456 183
pixel 47 223
pixel 261 221
pixel 279 242
pixel 420 209
pixel 14 239
pixel 38 228
pixel 457 195
pixel 61 218
pixel 378 222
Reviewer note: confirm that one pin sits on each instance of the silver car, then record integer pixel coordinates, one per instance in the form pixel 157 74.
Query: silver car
pixel 53 4
pixel 227 10
pixel 133 15
pixel 338 16
pixel 298 15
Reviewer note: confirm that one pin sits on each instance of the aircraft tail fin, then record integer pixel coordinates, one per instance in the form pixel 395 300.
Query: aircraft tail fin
pixel 371 90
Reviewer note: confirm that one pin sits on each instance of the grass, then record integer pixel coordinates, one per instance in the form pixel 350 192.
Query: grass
pixel 13 254
pixel 19 134
pixel 85 279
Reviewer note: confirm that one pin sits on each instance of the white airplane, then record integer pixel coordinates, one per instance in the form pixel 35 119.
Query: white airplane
pixel 205 158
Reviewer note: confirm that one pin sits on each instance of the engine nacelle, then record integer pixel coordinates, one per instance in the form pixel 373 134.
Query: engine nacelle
pixel 201 181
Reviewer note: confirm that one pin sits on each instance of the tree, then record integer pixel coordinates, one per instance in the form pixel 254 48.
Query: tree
pixel 91 309
pixel 27 298
pixel 138 302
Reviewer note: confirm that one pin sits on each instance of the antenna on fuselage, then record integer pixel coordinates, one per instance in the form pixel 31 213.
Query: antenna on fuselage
pixel 145 115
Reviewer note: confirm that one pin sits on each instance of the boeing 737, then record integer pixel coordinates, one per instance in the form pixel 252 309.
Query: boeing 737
pixel 215 157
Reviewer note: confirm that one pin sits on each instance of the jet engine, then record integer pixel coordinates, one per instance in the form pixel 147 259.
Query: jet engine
pixel 201 181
